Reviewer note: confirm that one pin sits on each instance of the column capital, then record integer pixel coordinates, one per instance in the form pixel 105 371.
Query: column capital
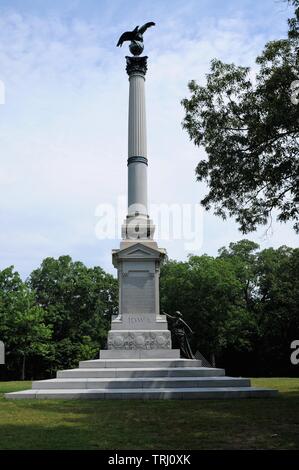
pixel 136 65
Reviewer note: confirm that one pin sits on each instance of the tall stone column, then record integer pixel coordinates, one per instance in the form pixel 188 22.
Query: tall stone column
pixel 138 331
pixel 137 151
pixel 138 224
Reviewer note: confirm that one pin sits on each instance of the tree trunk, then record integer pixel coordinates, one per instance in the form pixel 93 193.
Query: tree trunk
pixel 213 360
pixel 23 367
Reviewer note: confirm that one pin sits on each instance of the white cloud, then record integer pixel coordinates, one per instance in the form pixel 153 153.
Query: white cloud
pixel 63 129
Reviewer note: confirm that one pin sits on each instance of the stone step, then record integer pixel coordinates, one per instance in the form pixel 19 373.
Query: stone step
pixel 144 382
pixel 145 394
pixel 139 363
pixel 138 372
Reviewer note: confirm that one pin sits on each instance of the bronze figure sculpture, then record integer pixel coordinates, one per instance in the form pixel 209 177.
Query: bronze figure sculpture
pixel 181 330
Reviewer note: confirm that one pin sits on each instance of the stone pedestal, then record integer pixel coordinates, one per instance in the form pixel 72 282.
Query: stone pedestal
pixel 139 326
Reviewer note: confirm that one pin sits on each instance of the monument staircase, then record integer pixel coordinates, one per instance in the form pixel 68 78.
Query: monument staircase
pixel 142 375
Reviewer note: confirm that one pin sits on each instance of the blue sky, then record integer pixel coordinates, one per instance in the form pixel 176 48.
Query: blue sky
pixel 63 127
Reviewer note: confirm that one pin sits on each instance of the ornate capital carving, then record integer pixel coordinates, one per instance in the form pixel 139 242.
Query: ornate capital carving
pixel 136 65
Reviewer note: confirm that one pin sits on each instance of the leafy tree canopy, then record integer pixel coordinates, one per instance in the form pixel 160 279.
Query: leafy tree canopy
pixel 78 302
pixel 249 128
pixel 22 323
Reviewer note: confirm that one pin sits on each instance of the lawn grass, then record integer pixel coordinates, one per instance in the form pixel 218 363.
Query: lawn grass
pixel 154 424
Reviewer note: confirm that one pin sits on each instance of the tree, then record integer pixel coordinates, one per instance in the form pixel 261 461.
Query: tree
pixel 242 305
pixel 209 296
pixel 10 284
pixel 29 336
pixel 78 304
pixel 271 293
pixel 242 257
pixel 22 323
pixel 294 22
pixel 277 310
pixel 250 132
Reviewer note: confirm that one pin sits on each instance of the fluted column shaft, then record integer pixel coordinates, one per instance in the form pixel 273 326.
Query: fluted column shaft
pixel 137 117
pixel 137 151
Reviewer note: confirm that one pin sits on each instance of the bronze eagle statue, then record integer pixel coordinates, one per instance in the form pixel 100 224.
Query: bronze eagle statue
pixel 135 37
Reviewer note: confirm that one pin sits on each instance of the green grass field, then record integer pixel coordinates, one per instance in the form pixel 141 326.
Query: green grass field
pixel 219 424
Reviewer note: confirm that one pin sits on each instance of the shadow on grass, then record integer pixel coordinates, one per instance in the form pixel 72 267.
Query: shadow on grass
pixel 258 423
pixel 33 437
pixel 120 424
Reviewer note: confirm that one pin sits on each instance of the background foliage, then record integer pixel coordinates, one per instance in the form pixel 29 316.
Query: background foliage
pixel 249 127
pixel 242 306
pixel 59 316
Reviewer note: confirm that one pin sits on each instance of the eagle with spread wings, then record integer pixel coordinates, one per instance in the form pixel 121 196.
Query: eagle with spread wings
pixel 136 35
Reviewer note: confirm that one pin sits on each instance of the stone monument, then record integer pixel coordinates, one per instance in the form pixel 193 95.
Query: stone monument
pixel 139 330
pixel 139 361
